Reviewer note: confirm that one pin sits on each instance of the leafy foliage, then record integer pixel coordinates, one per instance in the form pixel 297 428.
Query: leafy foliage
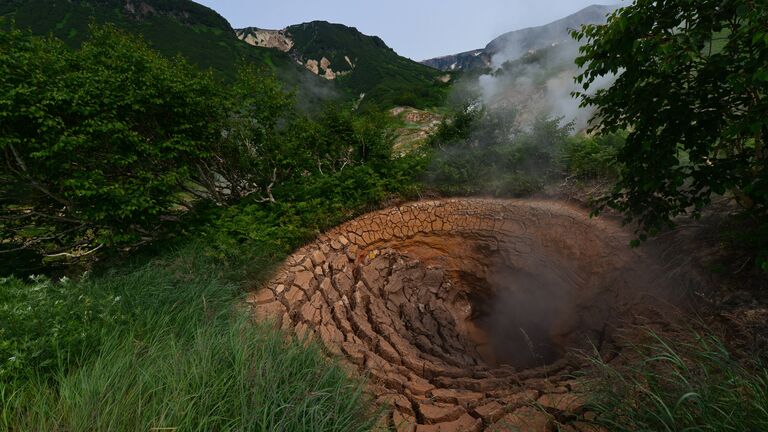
pixel 69 349
pixel 594 157
pixel 42 322
pixel 95 142
pixel 249 153
pixel 75 347
pixel 691 91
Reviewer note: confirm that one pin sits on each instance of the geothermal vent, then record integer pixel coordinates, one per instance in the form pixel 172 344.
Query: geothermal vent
pixel 464 313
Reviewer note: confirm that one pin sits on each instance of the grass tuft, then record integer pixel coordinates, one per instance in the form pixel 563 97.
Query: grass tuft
pixel 681 385
pixel 230 375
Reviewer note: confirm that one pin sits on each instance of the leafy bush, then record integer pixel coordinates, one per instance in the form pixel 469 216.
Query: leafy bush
pixel 250 156
pixel 674 385
pixel 127 142
pixel 692 102
pixel 203 367
pixel 95 142
pixel 594 157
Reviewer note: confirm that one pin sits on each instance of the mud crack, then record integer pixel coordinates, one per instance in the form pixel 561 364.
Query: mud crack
pixel 465 313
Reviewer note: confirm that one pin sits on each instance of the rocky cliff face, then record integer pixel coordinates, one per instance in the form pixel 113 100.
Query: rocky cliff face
pixel 283 40
pixel 277 39
pixel 515 44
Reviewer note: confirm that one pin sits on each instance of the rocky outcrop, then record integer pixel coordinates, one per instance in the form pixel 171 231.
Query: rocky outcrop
pixel 277 39
pixel 323 68
pixel 419 126
pixel 282 40
pixel 462 312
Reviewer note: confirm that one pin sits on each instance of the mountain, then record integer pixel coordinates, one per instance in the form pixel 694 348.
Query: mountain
pixel 359 64
pixel 515 44
pixel 172 27
pixel 322 60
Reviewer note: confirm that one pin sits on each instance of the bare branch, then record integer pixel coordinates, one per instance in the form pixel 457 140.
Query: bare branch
pixel 24 173
pixel 75 255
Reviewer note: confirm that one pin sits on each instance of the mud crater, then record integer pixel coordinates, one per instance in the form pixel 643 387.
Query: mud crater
pixel 465 313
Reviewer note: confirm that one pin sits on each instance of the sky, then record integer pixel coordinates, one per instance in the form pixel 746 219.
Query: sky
pixel 418 29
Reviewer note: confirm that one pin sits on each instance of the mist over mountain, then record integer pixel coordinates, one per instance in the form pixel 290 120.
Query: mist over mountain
pixel 515 44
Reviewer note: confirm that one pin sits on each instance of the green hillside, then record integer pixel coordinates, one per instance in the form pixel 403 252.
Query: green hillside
pixel 385 77
pixel 205 38
pixel 172 27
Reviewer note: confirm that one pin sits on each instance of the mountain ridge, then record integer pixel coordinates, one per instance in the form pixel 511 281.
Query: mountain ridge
pixel 352 63
pixel 364 65
pixel 522 41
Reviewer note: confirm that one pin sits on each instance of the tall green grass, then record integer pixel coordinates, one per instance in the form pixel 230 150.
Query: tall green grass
pixel 174 351
pixel 227 376
pixel 686 384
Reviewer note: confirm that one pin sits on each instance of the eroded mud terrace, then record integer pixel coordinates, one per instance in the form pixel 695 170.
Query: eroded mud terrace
pixel 465 313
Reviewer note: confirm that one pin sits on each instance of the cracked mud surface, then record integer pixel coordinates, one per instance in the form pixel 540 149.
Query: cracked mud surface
pixel 465 313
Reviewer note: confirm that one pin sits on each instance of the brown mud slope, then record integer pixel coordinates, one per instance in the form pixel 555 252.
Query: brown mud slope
pixel 465 313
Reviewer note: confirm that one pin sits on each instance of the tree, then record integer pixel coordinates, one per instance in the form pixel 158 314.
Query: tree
pixel 691 89
pixel 250 156
pixel 338 138
pixel 95 143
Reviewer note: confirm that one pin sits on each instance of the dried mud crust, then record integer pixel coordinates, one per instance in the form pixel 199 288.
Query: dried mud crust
pixel 464 313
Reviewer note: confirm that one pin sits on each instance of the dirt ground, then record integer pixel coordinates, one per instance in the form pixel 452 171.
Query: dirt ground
pixel 469 314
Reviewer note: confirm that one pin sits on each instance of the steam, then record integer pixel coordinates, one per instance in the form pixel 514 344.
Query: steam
pixel 538 84
pixel 313 93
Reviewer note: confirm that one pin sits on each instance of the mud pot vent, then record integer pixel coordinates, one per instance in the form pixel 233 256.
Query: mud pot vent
pixel 465 314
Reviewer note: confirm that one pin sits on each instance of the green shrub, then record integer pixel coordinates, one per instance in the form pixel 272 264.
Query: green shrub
pixel 95 143
pixel 594 157
pixel 43 322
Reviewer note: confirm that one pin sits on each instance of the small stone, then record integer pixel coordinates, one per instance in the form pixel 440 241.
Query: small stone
pixel 490 412
pixel 465 423
pixel 388 352
pixel 526 419
pixel 418 386
pixel 520 399
pixel 403 422
pixel 261 297
pixel 398 402
pixel 303 279
pixel 464 398
pixel 318 257
pixel 439 413
pixel 295 295
pixel 567 402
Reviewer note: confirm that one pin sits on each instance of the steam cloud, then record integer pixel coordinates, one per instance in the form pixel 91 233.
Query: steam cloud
pixel 534 83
